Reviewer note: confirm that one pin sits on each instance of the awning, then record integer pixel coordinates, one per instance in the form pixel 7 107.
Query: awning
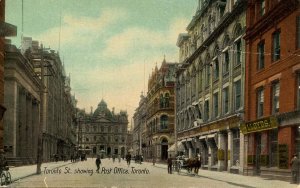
pixel 202 137
pixel 180 147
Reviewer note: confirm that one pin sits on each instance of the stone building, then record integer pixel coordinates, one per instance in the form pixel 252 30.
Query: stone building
pixel 22 100
pixel 23 94
pixel 210 85
pixel 272 128
pixel 160 112
pixel 6 30
pixel 140 138
pixel 103 131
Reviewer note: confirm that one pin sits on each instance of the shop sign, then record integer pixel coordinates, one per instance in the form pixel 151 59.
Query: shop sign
pixel 259 125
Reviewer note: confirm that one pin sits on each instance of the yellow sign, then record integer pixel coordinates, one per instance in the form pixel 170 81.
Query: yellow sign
pixel 259 125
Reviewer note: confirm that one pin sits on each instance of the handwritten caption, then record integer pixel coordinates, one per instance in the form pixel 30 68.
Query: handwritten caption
pixel 102 170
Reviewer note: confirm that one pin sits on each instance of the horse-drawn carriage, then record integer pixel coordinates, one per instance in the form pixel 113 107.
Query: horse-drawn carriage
pixel 188 164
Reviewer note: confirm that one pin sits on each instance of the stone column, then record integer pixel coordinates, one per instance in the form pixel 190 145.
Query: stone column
pixel 29 126
pixel 210 154
pixel 222 146
pixel 35 128
pixel 243 152
pixel 230 149
pixel 22 123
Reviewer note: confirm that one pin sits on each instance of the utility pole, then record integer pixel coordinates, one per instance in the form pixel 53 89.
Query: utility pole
pixel 40 133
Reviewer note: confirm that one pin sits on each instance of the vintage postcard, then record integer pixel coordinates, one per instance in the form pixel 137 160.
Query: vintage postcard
pixel 150 93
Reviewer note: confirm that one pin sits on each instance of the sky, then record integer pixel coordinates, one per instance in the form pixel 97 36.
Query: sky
pixel 108 47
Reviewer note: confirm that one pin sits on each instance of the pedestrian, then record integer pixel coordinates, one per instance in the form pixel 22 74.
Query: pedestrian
pixel 119 158
pixel 169 164
pixel 295 169
pixel 114 157
pixel 98 162
pixel 3 161
pixel 153 160
pixel 128 158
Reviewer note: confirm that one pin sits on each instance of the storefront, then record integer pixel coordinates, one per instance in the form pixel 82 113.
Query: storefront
pixel 270 143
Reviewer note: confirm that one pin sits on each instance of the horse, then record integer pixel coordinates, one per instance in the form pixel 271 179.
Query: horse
pixel 193 163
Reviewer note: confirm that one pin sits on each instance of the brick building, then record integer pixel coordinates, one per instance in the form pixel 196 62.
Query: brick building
pixel 160 112
pixel 272 103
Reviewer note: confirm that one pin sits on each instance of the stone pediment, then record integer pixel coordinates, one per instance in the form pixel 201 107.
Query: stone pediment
pixel 103 120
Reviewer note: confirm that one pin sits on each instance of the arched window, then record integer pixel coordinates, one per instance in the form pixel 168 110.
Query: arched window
pixel 167 98
pixel 164 122
pixel 161 101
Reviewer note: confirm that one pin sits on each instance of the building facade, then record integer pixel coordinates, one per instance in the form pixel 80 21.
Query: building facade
pixel 103 132
pixel 22 100
pixel 272 133
pixel 140 136
pixel 6 30
pixel 160 112
pixel 210 85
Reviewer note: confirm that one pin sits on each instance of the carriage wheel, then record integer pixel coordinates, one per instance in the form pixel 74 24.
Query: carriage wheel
pixel 8 178
pixel 2 179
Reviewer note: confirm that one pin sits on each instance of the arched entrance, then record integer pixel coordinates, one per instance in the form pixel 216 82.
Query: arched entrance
pixel 164 149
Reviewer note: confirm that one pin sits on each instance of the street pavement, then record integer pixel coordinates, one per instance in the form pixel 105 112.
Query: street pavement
pixel 115 175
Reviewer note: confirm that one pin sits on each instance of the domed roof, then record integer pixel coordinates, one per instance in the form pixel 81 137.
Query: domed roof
pixel 102 110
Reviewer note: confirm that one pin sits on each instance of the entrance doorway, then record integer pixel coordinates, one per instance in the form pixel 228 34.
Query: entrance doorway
pixel 164 149
pixel 257 153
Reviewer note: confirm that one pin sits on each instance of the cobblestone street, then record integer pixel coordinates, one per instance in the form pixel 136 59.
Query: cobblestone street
pixel 83 174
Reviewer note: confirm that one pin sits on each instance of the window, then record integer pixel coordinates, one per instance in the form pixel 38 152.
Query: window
pixel 95 138
pixel 216 102
pixel 206 110
pixel 238 51
pixel 164 122
pixel 260 102
pixel 167 98
pixel 200 81
pixel 216 70
pixel 298 90
pixel 207 80
pixel 261 55
pixel 87 139
pixel 225 100
pixel 102 129
pixel 273 136
pixel 275 97
pixel 298 31
pixel 237 93
pixel 236 146
pixel 262 7
pixel 226 63
pixel 276 46
pixel 161 101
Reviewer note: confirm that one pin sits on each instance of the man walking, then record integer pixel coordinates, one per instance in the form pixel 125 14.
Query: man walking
pixel 98 162
pixel 128 158
pixel 295 169
pixel 169 165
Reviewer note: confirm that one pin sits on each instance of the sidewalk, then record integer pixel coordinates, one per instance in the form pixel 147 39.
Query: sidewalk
pixel 29 170
pixel 234 179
